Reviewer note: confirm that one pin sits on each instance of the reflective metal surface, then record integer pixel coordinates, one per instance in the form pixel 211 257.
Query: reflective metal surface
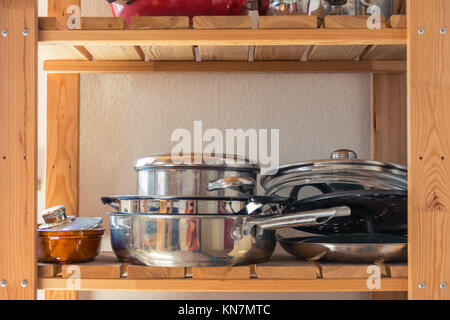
pixel 347 173
pixel 346 249
pixel 182 205
pixel 203 240
pixel 191 175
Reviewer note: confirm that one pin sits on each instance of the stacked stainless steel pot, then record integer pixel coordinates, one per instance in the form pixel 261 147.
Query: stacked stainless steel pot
pixel 199 210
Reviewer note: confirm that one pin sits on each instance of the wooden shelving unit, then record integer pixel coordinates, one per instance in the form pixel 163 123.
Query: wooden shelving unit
pixel 225 44
pixel 283 273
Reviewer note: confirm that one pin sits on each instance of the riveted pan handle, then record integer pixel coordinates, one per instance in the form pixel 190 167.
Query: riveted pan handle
pixel 242 184
pixel 112 202
pixel 302 219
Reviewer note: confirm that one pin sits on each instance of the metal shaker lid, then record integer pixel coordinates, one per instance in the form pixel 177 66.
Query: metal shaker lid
pixel 343 171
pixel 56 219
pixel 196 161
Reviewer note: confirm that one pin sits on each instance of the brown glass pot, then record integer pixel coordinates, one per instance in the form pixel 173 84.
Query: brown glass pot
pixel 69 246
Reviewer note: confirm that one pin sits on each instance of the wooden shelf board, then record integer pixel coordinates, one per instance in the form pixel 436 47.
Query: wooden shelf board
pixel 211 285
pixel 222 66
pixel 235 37
pixel 283 273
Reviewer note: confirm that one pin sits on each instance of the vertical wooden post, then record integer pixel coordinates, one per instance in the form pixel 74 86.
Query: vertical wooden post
pixel 63 122
pixel 388 134
pixel 389 117
pixel 18 141
pixel 429 149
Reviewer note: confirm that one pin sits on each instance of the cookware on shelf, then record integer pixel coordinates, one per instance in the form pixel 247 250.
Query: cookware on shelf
pixel 348 248
pixel 376 192
pixel 196 175
pixel 130 8
pixel 68 239
pixel 197 205
pixel 343 172
pixel 185 240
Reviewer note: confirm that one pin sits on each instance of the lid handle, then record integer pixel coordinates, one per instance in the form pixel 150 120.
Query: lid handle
pixel 54 215
pixel 343 154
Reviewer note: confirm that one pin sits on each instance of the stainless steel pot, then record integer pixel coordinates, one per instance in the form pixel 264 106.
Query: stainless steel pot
pixel 197 205
pixel 196 175
pixel 203 240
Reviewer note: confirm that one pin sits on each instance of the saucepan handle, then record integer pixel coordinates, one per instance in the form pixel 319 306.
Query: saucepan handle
pixel 301 219
pixel 242 184
pixel 112 202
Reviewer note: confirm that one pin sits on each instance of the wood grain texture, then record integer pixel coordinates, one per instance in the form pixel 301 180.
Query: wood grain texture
pixel 213 285
pixel 223 53
pixel 48 270
pixel 341 53
pixel 104 266
pixel 164 53
pixel 286 267
pixel 287 22
pixel 222 22
pixel 223 37
pixel 64 52
pixel 349 22
pixel 388 130
pixel 221 272
pixel 344 271
pixel 63 161
pixel 152 23
pixel 63 129
pixel 397 21
pixel 275 53
pixel 224 66
pixel 388 52
pixel 428 149
pixel 397 270
pixel 18 154
pixel 146 272
pixel 61 295
pixel 102 23
pixel 99 52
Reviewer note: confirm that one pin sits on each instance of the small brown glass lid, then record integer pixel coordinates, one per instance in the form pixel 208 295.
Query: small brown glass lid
pixel 56 219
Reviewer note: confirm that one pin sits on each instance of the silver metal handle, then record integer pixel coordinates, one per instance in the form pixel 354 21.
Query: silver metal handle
pixel 112 202
pixel 301 219
pixel 242 184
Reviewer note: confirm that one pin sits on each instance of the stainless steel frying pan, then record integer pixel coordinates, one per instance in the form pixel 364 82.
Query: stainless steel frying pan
pixel 348 248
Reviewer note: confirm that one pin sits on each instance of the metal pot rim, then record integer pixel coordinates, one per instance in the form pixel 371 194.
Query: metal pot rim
pixel 196 161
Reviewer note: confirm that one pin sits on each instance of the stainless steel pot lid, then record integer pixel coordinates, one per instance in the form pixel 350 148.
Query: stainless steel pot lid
pixel 196 161
pixel 340 173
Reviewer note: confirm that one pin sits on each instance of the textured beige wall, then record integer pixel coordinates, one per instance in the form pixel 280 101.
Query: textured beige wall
pixel 125 117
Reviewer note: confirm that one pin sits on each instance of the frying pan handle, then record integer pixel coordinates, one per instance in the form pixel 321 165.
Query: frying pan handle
pixel 242 184
pixel 111 201
pixel 302 219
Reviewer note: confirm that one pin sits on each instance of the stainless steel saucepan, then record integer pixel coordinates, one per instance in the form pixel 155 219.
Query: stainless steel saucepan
pixel 184 240
pixel 198 205
pixel 196 175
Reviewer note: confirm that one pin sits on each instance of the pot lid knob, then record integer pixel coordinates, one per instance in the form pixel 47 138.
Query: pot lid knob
pixel 343 154
pixel 54 215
